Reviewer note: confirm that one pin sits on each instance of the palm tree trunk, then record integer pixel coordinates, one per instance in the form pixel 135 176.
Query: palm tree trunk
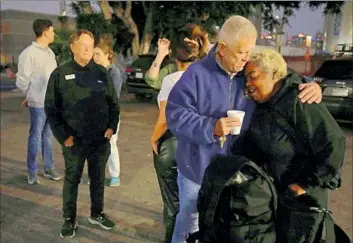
pixel 126 17
pixel 147 31
pixel 106 10
pixel 86 7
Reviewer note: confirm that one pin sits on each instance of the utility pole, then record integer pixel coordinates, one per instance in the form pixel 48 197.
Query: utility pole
pixel 279 35
pixel 62 5
pixel 63 17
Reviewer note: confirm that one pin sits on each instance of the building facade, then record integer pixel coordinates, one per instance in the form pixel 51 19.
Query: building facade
pixel 338 27
pixel 17 32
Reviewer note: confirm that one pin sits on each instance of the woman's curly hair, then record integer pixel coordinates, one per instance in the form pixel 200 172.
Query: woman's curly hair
pixel 271 61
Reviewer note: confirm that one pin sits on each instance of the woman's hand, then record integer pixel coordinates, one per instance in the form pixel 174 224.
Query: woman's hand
pixel 296 189
pixel 163 46
pixel 207 44
pixel 154 146
pixel 69 142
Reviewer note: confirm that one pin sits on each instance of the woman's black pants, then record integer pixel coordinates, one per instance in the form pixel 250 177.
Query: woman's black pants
pixel 166 169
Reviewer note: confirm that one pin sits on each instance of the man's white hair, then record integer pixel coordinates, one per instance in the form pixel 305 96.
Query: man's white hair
pixel 236 27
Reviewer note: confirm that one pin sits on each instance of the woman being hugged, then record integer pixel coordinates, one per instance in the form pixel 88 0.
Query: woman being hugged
pixel 299 144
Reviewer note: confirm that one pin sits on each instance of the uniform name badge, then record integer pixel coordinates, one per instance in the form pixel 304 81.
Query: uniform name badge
pixel 70 76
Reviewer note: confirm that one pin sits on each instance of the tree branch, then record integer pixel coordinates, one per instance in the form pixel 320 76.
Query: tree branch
pixel 128 8
pixel 86 7
pixel 119 12
pixel 145 8
pixel 204 16
pixel 105 9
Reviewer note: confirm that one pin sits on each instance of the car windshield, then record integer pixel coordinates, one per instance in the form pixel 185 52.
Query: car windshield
pixel 143 62
pixel 336 69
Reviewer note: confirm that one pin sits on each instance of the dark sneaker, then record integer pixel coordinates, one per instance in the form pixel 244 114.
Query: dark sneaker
pixel 52 174
pixel 32 179
pixel 102 220
pixel 69 228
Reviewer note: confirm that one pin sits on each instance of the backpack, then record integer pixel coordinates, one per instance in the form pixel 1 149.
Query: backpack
pixel 237 203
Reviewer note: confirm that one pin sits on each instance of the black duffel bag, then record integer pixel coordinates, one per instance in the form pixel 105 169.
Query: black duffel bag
pixel 302 220
pixel 237 203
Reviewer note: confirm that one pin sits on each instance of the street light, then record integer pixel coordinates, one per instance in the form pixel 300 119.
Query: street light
pixel 278 34
pixel 62 6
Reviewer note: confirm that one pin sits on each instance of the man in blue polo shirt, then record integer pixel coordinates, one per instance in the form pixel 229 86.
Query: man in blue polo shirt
pixel 197 113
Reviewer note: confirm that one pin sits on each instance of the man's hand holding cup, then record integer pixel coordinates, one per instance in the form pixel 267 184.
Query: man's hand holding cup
pixel 225 124
pixel 239 115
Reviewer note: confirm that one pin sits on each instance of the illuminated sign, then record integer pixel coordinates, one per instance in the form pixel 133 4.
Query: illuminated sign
pixel 337 24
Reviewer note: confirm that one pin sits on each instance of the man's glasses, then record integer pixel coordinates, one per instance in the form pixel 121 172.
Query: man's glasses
pixel 246 94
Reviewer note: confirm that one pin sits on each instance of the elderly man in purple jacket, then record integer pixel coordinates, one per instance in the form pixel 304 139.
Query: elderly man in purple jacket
pixel 197 108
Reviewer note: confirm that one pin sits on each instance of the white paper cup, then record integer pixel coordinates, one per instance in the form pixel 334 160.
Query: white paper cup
pixel 236 114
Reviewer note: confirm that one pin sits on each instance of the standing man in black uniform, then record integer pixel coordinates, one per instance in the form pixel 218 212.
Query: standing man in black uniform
pixel 83 112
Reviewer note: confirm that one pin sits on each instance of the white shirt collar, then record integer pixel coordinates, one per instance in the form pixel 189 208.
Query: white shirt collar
pixel 39 46
pixel 220 65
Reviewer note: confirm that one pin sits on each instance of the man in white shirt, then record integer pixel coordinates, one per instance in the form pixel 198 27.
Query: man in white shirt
pixel 35 65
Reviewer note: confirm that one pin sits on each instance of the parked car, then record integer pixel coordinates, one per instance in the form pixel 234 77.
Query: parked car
pixel 7 78
pixel 343 50
pixel 335 77
pixel 136 72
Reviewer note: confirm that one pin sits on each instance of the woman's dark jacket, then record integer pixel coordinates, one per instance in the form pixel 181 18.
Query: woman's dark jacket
pixel 297 142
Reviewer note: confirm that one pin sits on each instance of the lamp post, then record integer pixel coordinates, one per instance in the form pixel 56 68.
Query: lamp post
pixel 279 35
pixel 308 39
pixel 63 17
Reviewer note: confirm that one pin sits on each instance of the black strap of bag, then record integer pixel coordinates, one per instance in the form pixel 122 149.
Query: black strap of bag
pixel 327 226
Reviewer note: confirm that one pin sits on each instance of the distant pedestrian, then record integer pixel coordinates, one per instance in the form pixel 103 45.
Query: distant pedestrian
pixel 35 65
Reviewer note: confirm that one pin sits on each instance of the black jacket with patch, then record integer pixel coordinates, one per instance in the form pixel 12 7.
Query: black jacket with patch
pixel 81 102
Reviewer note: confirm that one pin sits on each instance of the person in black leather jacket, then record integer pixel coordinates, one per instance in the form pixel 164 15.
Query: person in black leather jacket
pixel 300 145
pixel 162 140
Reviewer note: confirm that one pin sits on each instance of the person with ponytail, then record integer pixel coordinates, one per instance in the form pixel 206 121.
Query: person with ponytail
pixel 162 140
pixel 196 36
pixel 103 54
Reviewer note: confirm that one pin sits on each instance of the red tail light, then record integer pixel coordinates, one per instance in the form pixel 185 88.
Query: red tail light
pixel 128 70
